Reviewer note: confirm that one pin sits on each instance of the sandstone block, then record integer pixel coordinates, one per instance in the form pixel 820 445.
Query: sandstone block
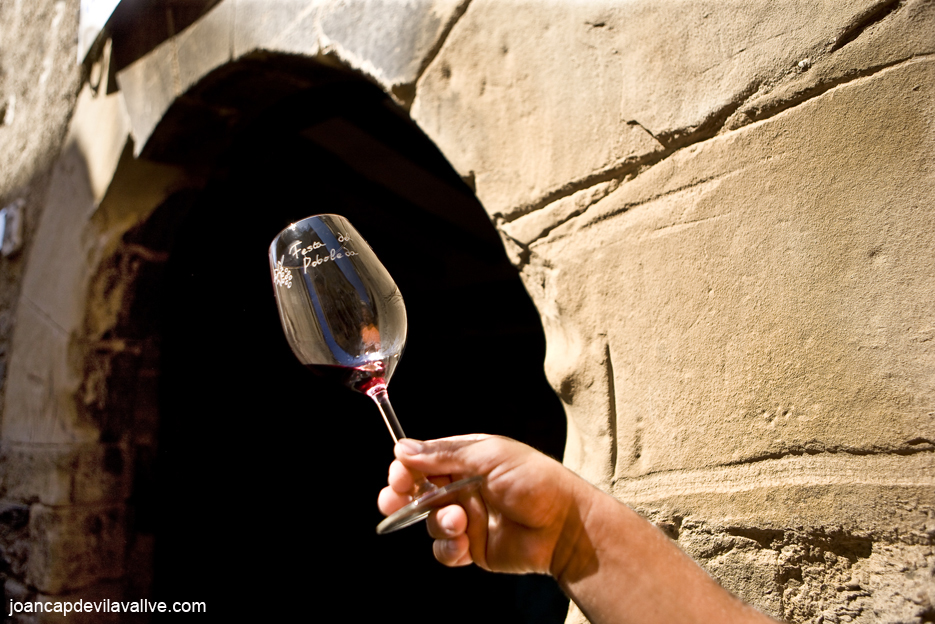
pixel 538 99
pixel 289 26
pixel 890 34
pixel 149 87
pixel 764 293
pixel 31 473
pixel 14 539
pixel 204 46
pixel 103 474
pixel 39 403
pixel 390 41
pixel 77 546
pixel 819 574
pixel 56 288
pixel 537 224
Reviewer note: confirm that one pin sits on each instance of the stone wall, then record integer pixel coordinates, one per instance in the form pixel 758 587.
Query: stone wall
pixel 724 215
pixel 39 82
pixel 79 375
pixel 723 212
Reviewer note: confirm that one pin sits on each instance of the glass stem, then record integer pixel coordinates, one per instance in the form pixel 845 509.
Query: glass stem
pixel 378 393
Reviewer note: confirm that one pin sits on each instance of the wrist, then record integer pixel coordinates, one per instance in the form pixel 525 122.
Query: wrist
pixel 574 552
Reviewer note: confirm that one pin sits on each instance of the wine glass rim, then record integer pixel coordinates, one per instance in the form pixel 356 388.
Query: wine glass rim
pixel 316 216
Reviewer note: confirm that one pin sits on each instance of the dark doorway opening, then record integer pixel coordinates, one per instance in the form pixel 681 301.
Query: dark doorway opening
pixel 267 477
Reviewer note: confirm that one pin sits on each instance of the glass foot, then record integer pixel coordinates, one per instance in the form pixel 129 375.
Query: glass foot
pixel 421 507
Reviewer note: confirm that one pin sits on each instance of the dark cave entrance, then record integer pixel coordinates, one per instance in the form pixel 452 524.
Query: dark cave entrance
pixel 264 487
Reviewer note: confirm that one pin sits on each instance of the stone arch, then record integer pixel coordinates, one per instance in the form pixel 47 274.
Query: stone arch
pixel 69 448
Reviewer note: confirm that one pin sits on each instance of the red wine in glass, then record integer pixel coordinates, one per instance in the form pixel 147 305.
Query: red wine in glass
pixel 345 320
pixel 369 379
pixel 357 379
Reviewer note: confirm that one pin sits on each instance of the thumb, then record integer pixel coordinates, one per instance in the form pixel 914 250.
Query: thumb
pixel 454 455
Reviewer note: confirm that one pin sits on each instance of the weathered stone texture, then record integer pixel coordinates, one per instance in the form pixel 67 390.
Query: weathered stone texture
pixel 740 327
pixel 39 81
pixel 69 306
pixel 287 26
pixel 825 575
pixel 14 538
pixel 776 283
pixel 64 520
pixel 883 36
pixel 586 91
pixel 388 42
pixel 775 304
pixel 723 212
pixel 74 547
pixel 62 475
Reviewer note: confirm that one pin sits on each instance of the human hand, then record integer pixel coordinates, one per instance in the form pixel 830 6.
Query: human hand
pixel 513 523
pixel 531 514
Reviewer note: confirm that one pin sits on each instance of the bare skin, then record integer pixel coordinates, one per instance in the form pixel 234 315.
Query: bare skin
pixel 533 515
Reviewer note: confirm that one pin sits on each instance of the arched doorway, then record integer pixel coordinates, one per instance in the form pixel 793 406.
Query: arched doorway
pixel 266 477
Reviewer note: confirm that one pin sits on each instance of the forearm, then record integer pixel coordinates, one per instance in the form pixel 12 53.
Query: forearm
pixel 617 567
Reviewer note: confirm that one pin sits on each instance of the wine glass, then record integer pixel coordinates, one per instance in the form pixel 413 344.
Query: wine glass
pixel 345 320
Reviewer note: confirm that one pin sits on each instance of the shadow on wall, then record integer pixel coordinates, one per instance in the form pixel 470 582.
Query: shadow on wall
pixel 266 480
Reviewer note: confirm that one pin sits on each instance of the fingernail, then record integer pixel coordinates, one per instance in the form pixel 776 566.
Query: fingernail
pixel 410 446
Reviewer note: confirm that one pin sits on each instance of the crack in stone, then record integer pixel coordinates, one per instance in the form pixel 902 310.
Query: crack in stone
pixel 617 172
pixel 629 206
pixel 539 224
pixel 45 316
pixel 680 226
pixel 728 118
pixel 880 469
pixel 612 412
pixel 720 120
pixel 406 93
pixel 526 247
pixel 799 452
pixel 634 166
pixel 796 453
pixel 755 114
pixel 710 126
pixel 442 38
pixel 864 21
pixel 751 461
pixel 632 170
